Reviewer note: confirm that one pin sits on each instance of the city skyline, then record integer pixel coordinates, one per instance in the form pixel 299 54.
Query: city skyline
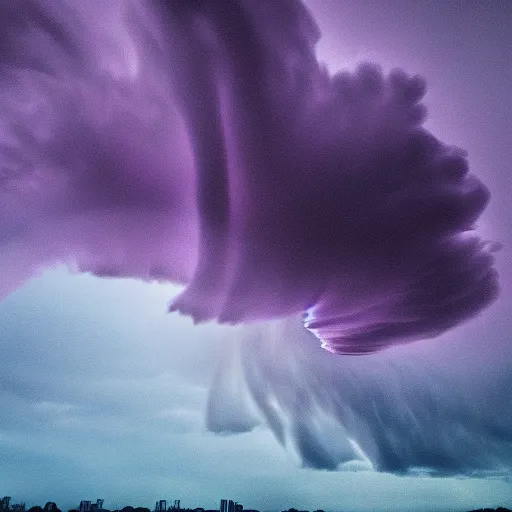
pixel 160 505
pixel 8 505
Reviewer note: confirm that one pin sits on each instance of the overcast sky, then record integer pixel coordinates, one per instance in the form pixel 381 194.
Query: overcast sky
pixel 104 395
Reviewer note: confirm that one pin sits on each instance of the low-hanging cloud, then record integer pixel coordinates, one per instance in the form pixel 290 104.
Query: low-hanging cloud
pixel 202 142
pixel 405 411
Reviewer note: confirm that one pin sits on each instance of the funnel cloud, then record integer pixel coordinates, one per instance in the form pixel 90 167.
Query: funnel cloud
pixel 409 413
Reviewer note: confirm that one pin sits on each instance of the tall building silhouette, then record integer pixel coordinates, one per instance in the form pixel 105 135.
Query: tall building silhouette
pixel 161 506
pixel 85 506
pixel 223 506
pixel 4 503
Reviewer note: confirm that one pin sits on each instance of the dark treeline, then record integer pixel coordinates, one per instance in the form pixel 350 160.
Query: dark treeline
pixel 499 509
pixel 128 508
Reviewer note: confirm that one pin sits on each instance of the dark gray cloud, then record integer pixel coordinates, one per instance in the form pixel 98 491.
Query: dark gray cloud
pixel 119 414
pixel 409 412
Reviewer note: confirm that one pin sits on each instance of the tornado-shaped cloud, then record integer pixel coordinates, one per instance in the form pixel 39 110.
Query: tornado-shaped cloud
pixel 407 411
pixel 202 142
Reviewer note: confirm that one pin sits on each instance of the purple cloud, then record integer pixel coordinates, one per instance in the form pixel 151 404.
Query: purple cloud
pixel 202 142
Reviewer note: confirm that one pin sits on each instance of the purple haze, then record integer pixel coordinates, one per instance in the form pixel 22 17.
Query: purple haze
pixel 202 142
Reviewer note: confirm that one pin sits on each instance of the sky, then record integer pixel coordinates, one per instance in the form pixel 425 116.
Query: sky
pixel 106 395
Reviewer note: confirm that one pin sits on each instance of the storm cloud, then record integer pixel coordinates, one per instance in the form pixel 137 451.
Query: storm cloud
pixel 203 143
pixel 406 411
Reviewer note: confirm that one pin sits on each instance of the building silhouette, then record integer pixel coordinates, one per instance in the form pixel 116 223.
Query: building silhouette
pixel 230 506
pixel 88 506
pixel 95 507
pixel 85 506
pixel 161 506
pixel 4 504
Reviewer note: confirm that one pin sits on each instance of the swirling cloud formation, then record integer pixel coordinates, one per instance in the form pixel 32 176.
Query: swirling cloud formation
pixel 438 410
pixel 202 142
